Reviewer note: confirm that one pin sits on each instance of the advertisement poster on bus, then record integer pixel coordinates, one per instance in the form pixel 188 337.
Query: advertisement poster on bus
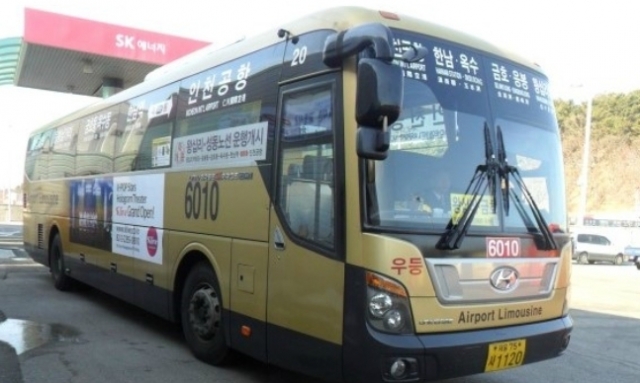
pixel 161 152
pixel 241 144
pixel 138 214
pixel 91 202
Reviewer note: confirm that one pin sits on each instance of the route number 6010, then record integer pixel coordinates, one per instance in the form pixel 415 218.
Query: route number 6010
pixel 503 247
pixel 201 199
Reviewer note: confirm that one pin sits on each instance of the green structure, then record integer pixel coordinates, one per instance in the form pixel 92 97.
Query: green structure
pixel 9 58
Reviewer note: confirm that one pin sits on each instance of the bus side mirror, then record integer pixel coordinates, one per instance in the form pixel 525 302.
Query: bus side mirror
pixel 378 104
pixel 379 92
pixel 372 143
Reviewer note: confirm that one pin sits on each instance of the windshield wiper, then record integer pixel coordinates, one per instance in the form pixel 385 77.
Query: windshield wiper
pixel 483 178
pixel 506 171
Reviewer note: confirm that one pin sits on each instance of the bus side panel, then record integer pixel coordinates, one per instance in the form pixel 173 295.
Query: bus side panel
pixel 248 303
pixel 33 238
pixel 305 308
pixel 46 202
pixel 230 202
pixel 305 354
pixel 217 250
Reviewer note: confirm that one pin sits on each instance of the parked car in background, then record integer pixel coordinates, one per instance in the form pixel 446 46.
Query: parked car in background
pixel 591 248
pixel 633 252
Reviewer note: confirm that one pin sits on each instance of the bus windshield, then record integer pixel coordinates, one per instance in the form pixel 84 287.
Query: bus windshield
pixel 451 98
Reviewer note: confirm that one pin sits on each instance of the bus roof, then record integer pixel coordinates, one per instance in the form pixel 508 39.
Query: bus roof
pixel 337 18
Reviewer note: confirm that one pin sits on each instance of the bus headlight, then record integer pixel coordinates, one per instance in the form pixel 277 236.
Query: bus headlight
pixel 380 304
pixel 388 305
pixel 394 320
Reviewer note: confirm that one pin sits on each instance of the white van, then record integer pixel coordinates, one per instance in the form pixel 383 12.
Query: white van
pixel 592 248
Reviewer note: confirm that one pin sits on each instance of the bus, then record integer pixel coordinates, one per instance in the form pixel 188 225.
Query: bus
pixel 270 196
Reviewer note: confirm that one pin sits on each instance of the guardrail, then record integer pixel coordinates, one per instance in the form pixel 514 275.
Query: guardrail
pixel 10 234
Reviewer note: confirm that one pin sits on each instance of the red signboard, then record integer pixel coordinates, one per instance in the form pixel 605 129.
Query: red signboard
pixel 66 32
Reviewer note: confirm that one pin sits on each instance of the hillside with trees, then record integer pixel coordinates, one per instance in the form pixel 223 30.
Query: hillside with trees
pixel 614 160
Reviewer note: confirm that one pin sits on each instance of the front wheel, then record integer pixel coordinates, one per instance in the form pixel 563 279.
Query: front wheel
pixel 201 314
pixel 61 280
pixel 618 260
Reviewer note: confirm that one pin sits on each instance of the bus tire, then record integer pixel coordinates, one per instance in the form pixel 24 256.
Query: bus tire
pixel 61 280
pixel 201 315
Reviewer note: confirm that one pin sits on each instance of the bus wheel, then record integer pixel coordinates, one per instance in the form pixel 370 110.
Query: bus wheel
pixel 201 314
pixel 61 280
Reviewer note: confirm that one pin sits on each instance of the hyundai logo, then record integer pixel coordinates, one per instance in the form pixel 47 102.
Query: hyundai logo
pixel 504 278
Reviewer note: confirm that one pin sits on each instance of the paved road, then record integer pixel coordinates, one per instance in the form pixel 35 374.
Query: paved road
pixel 86 336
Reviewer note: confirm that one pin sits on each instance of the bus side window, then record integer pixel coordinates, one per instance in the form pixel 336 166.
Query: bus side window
pixel 126 154
pixel 128 140
pixel 307 175
pixel 299 212
pixel 155 148
pixel 62 155
pixel 96 143
pixel 309 199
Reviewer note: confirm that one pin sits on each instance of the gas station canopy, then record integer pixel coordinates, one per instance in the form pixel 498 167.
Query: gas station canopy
pixel 72 55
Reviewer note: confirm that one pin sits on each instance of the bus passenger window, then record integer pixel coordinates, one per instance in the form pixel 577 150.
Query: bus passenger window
pixel 62 163
pixel 309 199
pixel 129 137
pixel 96 143
pixel 155 148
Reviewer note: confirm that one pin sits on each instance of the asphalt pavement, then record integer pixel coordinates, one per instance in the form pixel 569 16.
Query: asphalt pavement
pixel 9 364
pixel 10 249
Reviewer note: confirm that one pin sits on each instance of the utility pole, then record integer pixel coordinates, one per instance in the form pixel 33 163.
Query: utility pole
pixel 584 173
pixel 9 206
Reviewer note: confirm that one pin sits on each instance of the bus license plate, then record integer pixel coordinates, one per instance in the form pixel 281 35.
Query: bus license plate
pixel 505 355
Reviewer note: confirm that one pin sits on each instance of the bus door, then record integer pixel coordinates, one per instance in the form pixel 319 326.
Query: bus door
pixel 306 273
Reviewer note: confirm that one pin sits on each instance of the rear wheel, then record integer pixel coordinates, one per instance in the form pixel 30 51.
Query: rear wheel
pixel 61 280
pixel 583 258
pixel 201 314
pixel 618 260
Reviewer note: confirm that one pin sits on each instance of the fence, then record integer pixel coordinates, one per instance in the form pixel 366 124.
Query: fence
pixel 10 213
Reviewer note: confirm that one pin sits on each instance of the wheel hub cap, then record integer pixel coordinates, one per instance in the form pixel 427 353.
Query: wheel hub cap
pixel 204 312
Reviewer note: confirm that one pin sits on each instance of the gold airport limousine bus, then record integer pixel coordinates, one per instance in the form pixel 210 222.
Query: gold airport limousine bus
pixel 360 196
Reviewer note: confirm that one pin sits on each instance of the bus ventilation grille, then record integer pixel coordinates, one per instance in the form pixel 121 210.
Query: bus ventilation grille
pixel 40 236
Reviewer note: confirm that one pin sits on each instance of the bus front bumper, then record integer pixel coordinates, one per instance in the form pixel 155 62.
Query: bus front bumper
pixel 418 358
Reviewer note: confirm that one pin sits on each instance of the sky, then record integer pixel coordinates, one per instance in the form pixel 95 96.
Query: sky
pixel 585 47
